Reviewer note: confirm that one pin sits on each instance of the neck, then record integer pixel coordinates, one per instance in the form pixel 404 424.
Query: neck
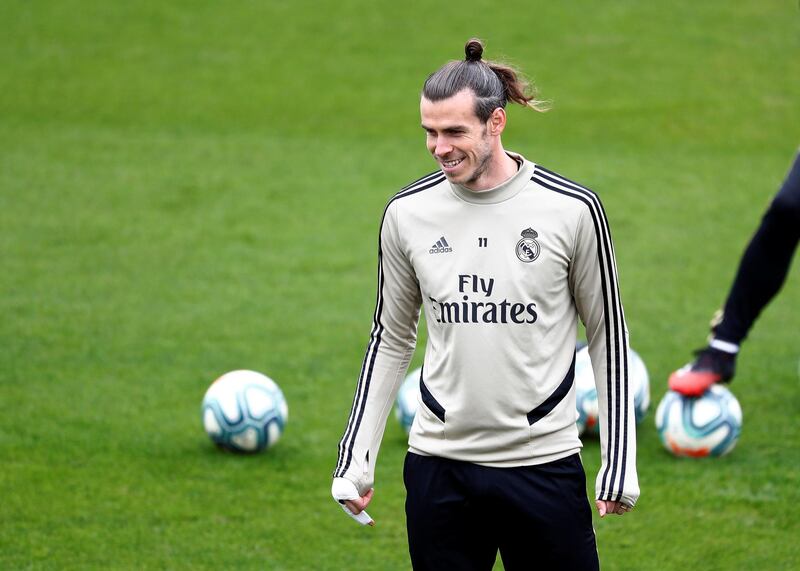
pixel 501 167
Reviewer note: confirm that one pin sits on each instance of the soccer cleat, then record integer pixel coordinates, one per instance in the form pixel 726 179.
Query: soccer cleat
pixel 709 366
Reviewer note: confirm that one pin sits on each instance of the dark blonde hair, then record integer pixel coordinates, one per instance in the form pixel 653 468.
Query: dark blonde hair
pixel 494 84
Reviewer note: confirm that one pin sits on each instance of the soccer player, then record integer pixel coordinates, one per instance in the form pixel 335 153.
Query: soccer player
pixel 762 271
pixel 504 256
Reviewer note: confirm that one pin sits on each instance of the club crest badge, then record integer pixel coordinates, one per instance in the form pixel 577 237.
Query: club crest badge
pixel 528 248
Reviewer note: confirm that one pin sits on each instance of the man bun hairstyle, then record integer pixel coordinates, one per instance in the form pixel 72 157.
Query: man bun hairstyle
pixel 494 84
pixel 474 50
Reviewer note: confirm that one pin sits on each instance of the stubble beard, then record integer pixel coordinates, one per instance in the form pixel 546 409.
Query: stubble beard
pixel 484 160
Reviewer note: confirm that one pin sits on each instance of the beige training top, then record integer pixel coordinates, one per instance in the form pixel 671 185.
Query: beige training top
pixel 503 276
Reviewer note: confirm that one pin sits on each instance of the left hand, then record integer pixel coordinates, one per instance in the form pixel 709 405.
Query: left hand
pixel 344 491
pixel 608 507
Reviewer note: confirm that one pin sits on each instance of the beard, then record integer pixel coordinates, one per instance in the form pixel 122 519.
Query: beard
pixel 483 159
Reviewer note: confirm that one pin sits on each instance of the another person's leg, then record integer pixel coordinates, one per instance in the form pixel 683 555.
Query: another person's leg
pixel 762 271
pixel 765 263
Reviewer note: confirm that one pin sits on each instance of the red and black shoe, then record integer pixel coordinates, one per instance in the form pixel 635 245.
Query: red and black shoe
pixel 709 366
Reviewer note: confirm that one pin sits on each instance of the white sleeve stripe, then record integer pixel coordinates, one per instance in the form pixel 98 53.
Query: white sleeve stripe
pixel 365 376
pixel 615 334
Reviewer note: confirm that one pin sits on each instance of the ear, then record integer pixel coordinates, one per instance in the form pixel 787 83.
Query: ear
pixel 497 121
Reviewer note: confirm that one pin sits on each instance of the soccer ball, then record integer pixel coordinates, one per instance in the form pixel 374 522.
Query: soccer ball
pixel 586 391
pixel 244 411
pixel 639 384
pixel 405 407
pixel 705 426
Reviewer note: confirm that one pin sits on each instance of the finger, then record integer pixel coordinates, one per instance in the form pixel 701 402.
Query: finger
pixel 360 504
pixel 601 507
pixel 353 506
pixel 617 508
pixel 362 517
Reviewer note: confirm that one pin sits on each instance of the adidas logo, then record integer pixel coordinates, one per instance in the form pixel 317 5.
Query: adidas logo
pixel 440 247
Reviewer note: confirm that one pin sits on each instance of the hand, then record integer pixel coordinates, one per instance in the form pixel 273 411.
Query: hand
pixel 608 507
pixel 344 491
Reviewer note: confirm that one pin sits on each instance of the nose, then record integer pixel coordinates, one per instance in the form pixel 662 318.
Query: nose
pixel 442 147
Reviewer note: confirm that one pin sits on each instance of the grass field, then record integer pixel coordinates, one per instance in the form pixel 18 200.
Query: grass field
pixel 188 188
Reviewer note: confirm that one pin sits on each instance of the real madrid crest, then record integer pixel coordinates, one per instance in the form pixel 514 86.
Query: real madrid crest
pixel 528 248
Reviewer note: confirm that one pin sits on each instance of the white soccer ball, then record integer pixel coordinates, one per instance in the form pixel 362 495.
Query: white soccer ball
pixel 586 390
pixel 708 425
pixel 639 382
pixel 407 402
pixel 244 411
pixel 585 393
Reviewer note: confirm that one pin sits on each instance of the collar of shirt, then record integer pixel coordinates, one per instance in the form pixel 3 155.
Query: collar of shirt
pixel 501 192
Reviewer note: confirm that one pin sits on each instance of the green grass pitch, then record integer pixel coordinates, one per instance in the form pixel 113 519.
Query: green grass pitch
pixel 188 188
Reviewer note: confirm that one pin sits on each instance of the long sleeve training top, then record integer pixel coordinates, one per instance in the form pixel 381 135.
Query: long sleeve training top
pixel 503 276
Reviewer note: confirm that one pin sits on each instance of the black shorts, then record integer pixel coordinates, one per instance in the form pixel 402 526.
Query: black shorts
pixel 460 514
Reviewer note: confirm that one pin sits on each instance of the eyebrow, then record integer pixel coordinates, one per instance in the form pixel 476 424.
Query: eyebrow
pixel 452 129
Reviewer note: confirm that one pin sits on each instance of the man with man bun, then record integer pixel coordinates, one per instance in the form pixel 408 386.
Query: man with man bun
pixel 504 256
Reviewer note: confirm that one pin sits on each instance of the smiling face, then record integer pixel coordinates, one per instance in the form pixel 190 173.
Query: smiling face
pixel 468 150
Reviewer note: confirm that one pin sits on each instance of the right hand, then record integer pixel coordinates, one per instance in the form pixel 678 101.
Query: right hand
pixel 608 507
pixel 344 491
